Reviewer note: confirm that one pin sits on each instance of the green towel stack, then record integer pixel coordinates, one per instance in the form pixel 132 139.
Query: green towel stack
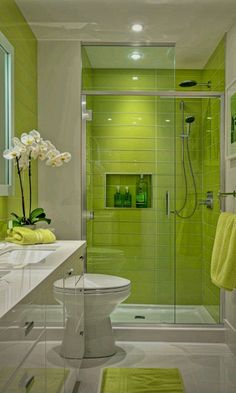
pixel 23 235
pixel 141 380
pixel 223 261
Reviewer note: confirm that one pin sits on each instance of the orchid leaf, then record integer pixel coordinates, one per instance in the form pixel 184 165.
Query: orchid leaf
pixel 16 223
pixel 15 215
pixel 36 213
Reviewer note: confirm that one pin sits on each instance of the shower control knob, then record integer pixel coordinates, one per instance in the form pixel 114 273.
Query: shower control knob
pixel 208 202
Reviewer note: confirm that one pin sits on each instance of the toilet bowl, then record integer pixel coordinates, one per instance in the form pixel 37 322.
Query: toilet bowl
pixel 102 293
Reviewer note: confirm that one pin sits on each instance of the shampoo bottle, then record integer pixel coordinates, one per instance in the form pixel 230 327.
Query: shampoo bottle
pixel 127 198
pixel 141 193
pixel 118 198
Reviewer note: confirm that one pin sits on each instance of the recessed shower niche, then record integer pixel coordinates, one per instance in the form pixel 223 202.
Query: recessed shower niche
pixel 128 190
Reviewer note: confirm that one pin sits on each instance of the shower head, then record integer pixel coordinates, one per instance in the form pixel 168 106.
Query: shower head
pixel 190 119
pixel 191 83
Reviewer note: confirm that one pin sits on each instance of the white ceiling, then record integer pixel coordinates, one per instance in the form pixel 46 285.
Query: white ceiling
pixel 196 26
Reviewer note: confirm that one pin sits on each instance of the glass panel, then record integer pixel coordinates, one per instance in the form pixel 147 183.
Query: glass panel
pixel 131 136
pixel 2 113
pixel 128 68
pixel 197 147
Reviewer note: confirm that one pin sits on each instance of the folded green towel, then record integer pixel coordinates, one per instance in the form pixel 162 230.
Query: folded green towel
pixel 23 235
pixel 223 261
pixel 141 380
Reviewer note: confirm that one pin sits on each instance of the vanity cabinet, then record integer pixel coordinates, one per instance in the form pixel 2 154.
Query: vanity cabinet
pixel 20 332
pixel 32 357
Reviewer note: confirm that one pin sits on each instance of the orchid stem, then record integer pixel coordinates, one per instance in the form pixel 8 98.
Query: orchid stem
pixel 21 188
pixel 30 186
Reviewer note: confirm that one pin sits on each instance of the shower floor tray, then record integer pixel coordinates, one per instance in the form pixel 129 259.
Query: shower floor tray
pixel 133 313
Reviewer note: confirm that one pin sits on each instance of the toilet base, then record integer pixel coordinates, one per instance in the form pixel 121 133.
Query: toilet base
pixel 72 346
pixel 99 339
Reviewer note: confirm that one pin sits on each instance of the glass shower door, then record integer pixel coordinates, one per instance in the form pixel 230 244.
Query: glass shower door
pixel 130 155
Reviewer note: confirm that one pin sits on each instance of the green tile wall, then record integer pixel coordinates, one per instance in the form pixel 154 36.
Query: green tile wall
pixel 188 273
pixel 136 140
pixel 214 71
pixel 15 28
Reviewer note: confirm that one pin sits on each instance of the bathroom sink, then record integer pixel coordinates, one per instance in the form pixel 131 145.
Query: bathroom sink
pixel 24 256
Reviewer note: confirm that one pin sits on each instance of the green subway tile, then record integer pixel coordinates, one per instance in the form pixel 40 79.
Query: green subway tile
pixel 125 119
pixel 127 131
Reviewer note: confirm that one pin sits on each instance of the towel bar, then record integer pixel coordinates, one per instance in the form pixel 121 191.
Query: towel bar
pixel 225 194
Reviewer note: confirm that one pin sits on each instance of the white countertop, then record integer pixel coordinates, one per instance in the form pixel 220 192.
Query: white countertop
pixel 21 279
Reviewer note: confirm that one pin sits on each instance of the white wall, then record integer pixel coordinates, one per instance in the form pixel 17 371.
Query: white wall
pixel 230 184
pixel 59 73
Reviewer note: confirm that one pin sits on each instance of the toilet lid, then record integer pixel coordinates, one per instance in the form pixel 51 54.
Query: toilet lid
pixel 92 282
pixel 104 281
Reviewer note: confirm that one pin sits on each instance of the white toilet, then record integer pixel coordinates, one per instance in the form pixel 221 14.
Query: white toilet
pixel 102 293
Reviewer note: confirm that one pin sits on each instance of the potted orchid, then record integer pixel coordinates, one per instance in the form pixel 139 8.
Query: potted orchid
pixel 32 146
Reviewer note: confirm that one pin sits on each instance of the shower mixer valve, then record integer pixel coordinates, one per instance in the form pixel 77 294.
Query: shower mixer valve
pixel 208 202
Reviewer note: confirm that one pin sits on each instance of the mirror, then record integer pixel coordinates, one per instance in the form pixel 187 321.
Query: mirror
pixel 6 111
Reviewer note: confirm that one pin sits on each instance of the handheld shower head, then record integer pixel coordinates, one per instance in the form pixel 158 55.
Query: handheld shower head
pixel 189 119
pixel 191 83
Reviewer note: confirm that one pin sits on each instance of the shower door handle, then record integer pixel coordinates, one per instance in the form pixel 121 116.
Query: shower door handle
pixel 168 203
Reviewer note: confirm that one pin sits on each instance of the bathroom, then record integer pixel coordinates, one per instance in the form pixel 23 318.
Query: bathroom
pixel 68 63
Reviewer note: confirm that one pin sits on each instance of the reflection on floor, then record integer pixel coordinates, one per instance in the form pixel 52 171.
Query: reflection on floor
pixel 130 313
pixel 206 368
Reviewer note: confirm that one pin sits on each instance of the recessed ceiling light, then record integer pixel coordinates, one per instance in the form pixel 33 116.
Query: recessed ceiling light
pixel 137 27
pixel 135 56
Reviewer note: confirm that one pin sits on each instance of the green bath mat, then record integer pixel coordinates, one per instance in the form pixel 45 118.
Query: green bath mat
pixel 141 380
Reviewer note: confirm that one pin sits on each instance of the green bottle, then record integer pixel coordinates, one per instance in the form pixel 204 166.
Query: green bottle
pixel 141 193
pixel 118 198
pixel 127 198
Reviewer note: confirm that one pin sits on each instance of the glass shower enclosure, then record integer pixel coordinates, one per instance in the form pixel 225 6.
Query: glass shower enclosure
pixel 158 149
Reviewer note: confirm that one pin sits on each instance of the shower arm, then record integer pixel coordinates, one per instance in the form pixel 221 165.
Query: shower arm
pixel 225 194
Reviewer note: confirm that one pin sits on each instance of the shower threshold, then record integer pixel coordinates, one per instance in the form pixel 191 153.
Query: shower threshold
pixel 160 314
pixel 132 322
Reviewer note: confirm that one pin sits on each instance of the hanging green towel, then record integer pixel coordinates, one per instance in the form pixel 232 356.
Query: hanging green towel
pixel 141 380
pixel 22 235
pixel 223 261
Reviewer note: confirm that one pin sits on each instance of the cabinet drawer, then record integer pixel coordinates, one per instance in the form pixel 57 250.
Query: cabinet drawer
pixel 31 376
pixel 20 329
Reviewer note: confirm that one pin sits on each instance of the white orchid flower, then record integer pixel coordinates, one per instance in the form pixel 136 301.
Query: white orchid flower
pixel 52 153
pixel 50 146
pixel 42 155
pixel 11 153
pixel 34 150
pixel 24 161
pixel 36 135
pixel 65 157
pixel 27 139
pixel 59 159
pixel 54 161
pixel 43 146
pixel 17 143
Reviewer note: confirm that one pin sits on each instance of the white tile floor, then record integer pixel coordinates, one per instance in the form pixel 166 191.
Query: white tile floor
pixel 205 368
